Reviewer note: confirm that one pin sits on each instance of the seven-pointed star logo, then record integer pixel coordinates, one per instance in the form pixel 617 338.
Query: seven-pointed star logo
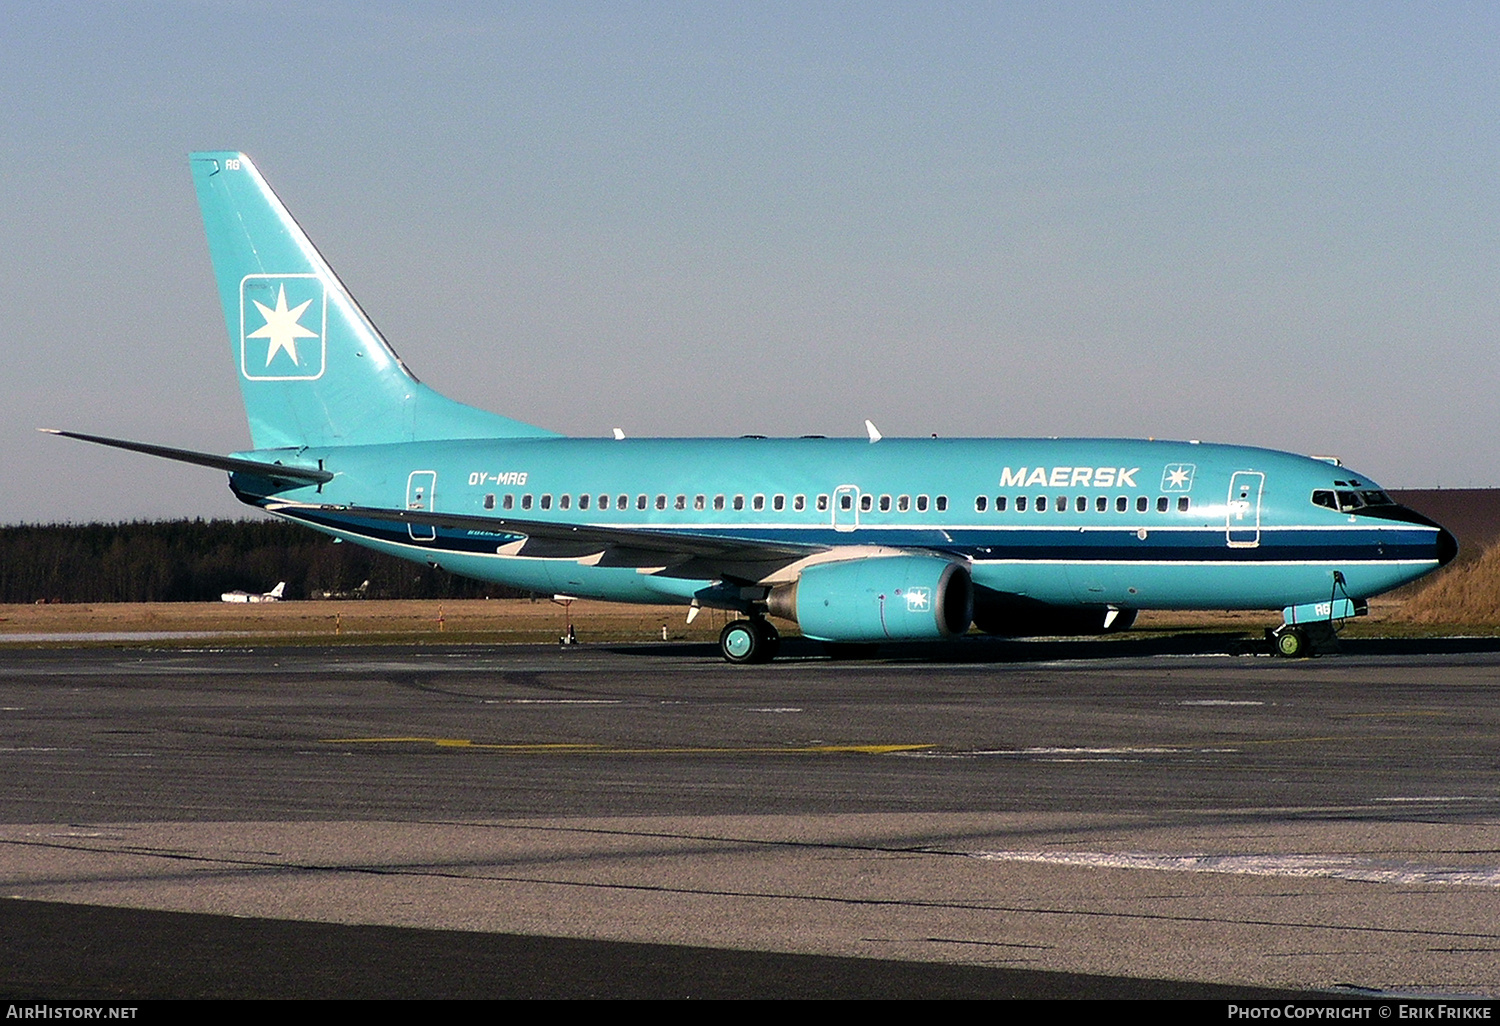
pixel 281 327
pixel 1177 477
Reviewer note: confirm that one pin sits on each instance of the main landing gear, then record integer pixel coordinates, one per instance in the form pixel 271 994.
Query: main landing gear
pixel 749 641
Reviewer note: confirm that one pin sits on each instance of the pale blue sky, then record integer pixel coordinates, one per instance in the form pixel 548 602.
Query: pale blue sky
pixel 1273 224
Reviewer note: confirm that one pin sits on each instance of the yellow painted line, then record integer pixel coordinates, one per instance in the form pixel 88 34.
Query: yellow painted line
pixel 596 749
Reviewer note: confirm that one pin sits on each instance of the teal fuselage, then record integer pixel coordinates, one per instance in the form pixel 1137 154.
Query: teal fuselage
pixel 1066 522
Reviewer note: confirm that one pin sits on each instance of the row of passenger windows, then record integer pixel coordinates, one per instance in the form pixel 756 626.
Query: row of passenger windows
pixel 867 503
pixel 903 503
pixel 1080 504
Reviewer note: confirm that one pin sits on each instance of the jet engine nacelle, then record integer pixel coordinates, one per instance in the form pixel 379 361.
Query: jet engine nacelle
pixel 887 598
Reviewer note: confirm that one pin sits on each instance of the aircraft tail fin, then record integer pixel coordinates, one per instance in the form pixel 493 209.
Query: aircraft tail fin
pixel 313 369
pixel 276 592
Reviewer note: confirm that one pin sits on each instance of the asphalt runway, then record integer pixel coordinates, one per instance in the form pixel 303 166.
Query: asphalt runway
pixel 1081 819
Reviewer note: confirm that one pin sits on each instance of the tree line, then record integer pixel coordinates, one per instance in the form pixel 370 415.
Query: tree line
pixel 198 560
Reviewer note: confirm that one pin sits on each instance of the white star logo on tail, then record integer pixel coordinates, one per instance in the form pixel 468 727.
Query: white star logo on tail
pixel 282 327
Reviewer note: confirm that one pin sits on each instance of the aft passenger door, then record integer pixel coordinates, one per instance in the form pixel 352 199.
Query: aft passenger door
pixel 1242 519
pixel 420 485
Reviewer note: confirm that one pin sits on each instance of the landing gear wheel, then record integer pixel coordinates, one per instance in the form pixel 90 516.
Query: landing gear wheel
pixel 1291 643
pixel 749 641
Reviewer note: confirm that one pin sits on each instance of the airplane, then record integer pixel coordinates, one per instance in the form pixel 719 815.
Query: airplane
pixel 858 541
pixel 274 595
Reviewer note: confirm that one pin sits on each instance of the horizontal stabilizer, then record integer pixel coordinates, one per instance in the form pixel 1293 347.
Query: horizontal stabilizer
pixel 274 471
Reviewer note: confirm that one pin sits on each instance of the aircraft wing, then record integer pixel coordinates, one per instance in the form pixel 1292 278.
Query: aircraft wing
pixel 671 552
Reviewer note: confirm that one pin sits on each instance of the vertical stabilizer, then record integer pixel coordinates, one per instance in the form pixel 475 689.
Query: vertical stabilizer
pixel 313 370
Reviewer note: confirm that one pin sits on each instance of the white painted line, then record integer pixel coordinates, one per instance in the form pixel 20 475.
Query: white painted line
pixel 1337 867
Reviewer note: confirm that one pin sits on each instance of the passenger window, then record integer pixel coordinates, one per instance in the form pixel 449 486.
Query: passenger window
pixel 885 504
pixel 1082 504
pixel 718 502
pixel 604 502
pixel 999 504
pixel 1062 504
pixel 526 502
pixel 509 502
pixel 1101 504
pixel 1141 504
pixel 739 502
pixel 903 504
pixel 698 501
pixel 1121 504
pixel 941 504
pixel 583 502
pixel 1182 504
pixel 1041 504
pixel 799 503
pixel 622 502
pixel 564 501
pixel 640 502
pixel 778 502
pixel 846 501
pixel 681 502
pixel 489 502
pixel 546 502
pixel 1161 504
pixel 823 504
pixel 921 504
pixel 1020 504
pixel 661 502
pixel 758 503
pixel 866 502
pixel 979 504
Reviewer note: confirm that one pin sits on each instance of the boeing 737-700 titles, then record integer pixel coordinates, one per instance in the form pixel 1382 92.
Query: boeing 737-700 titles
pixel 857 541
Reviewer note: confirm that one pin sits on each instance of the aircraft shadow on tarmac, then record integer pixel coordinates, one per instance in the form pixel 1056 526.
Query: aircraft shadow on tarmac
pixel 1014 650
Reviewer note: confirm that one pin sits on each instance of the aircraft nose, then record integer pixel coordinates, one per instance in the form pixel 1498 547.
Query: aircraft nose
pixel 1447 546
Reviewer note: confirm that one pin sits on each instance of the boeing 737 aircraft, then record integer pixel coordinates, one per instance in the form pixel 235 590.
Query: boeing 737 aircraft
pixel 857 541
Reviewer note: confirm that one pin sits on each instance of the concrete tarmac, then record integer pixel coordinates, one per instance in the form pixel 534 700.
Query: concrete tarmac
pixel 1326 825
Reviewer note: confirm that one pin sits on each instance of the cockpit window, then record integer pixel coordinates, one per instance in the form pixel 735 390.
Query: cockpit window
pixel 1349 501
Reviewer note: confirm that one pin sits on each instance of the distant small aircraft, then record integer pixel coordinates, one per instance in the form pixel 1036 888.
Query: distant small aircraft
pixel 856 540
pixel 274 595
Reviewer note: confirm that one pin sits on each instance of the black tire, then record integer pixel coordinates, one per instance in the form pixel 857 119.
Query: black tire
pixel 770 638
pixel 1291 643
pixel 742 641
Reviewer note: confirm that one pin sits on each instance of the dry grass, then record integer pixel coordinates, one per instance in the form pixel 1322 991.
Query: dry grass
pixel 1465 594
pixel 407 621
pixel 1463 597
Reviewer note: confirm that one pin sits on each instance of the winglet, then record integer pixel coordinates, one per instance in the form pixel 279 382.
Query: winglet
pixel 873 432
